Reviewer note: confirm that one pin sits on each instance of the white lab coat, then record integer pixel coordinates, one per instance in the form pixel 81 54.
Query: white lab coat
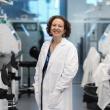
pixel 57 84
pixel 102 77
pixel 104 43
pixel 90 64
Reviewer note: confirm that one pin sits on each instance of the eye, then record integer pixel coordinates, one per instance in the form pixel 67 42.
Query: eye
pixel 53 24
pixel 60 26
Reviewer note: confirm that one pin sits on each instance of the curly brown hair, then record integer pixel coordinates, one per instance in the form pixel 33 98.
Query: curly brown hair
pixel 67 25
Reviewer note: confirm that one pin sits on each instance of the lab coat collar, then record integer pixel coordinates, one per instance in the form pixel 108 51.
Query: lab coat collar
pixel 63 41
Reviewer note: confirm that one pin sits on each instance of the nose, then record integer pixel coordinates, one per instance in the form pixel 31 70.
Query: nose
pixel 56 27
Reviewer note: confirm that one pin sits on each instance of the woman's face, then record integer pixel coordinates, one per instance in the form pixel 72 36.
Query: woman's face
pixel 57 28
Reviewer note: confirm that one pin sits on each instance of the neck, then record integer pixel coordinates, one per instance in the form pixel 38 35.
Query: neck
pixel 54 43
pixel 56 40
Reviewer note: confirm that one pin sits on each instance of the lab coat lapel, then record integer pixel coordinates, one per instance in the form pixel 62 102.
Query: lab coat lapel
pixel 54 54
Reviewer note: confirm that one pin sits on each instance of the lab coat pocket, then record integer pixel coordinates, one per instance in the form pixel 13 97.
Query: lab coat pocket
pixel 55 99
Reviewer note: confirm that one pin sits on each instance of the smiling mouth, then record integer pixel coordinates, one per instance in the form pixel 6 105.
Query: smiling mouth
pixel 56 31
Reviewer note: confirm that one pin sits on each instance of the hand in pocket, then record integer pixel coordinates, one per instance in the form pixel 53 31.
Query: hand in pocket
pixel 54 99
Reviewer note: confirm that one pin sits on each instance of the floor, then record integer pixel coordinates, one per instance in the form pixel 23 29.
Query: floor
pixel 28 103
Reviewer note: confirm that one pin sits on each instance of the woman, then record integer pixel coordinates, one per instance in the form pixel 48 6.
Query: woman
pixel 56 67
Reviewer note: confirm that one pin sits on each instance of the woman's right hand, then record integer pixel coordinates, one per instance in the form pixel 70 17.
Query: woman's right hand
pixel 54 99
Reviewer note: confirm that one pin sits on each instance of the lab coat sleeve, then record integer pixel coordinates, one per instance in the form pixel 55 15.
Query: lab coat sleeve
pixel 38 70
pixel 36 77
pixel 69 71
pixel 36 84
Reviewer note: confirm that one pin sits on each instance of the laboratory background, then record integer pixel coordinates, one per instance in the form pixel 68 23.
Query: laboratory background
pixel 22 33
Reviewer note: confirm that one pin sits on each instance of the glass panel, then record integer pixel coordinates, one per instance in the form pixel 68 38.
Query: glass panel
pixel 28 26
pixel 94 2
pixel 44 8
pixel 46 36
pixel 33 6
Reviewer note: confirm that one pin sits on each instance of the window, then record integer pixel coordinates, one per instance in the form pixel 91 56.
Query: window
pixel 44 8
pixel 33 6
